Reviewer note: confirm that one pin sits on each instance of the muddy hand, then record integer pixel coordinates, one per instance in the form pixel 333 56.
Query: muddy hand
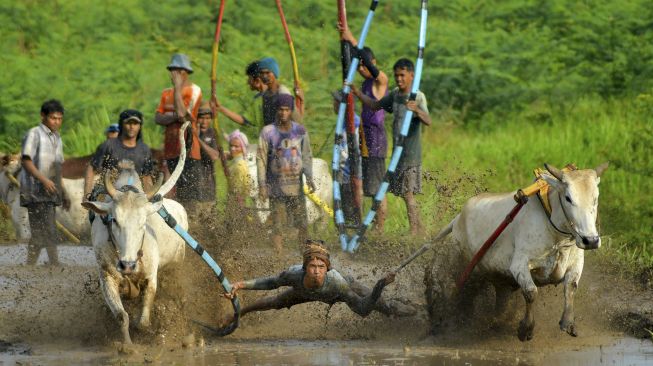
pixel 234 288
pixel 49 186
pixel 411 105
pixel 389 278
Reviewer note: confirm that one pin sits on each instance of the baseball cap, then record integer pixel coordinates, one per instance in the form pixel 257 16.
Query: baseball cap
pixel 113 128
pixel 130 114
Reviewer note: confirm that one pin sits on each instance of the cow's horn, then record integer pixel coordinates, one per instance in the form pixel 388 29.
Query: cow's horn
pixel 152 191
pixel 111 190
pixel 554 171
pixel 167 186
pixel 601 168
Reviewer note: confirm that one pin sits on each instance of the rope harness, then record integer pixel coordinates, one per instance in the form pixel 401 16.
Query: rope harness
pixel 539 187
pixel 127 287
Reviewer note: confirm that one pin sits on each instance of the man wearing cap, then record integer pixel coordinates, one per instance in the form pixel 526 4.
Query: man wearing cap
pixel 269 73
pixel 315 280
pixel 127 146
pixel 284 153
pixel 112 131
pixel 178 104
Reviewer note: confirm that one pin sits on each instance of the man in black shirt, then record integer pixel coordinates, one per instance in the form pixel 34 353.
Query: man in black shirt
pixel 127 146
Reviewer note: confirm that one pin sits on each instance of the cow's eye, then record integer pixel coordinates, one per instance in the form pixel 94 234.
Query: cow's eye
pixel 568 199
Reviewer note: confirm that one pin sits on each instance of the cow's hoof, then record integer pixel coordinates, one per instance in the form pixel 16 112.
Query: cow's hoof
pixel 144 324
pixel 127 348
pixel 525 332
pixel 570 328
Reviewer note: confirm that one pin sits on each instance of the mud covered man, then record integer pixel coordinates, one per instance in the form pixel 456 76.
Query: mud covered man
pixel 315 280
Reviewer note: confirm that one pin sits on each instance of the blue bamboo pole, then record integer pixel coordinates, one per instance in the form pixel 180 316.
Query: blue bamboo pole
pixel 339 216
pixel 354 242
pixel 170 220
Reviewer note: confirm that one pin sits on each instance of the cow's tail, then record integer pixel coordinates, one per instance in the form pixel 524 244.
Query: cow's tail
pixel 441 235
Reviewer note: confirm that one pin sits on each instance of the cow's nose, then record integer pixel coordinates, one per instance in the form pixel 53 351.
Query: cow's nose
pixel 126 266
pixel 591 242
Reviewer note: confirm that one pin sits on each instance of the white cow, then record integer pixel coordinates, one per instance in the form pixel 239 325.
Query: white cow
pixel 75 219
pixel 534 251
pixel 321 179
pixel 10 195
pixel 136 242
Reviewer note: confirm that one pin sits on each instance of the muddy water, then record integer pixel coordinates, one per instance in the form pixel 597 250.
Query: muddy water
pixel 625 351
pixel 56 316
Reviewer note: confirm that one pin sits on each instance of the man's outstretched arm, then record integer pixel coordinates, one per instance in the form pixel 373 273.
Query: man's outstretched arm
pixel 364 305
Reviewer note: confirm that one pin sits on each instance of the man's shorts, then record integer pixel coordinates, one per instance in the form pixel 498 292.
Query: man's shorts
pixel 295 207
pixel 406 180
pixel 373 172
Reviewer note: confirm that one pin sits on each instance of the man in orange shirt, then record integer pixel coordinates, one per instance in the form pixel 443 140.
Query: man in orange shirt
pixel 178 104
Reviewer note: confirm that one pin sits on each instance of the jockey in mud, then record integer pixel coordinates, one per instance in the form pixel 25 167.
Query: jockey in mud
pixel 315 280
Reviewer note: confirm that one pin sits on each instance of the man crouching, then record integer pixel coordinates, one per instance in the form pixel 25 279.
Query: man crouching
pixel 315 280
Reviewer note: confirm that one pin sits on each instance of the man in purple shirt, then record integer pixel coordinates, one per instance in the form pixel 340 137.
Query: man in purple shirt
pixel 374 144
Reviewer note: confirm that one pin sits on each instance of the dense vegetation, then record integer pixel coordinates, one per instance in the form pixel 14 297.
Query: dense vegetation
pixel 512 84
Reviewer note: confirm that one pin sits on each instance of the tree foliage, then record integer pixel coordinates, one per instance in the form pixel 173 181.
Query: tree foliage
pixel 482 57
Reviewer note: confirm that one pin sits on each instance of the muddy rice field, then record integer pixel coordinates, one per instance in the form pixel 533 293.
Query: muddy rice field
pixel 55 315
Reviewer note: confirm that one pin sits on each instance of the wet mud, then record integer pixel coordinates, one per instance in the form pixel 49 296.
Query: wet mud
pixel 56 315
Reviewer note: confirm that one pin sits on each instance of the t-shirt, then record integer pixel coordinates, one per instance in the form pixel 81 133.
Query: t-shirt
pixel 112 151
pixel 282 157
pixel 373 140
pixel 45 149
pixel 240 183
pixel 207 177
pixel 395 103
pixel 192 97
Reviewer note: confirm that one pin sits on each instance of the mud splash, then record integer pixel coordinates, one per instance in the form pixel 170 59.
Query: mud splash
pixel 59 315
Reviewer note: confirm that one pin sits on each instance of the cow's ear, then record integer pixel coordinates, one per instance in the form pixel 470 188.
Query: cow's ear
pixel 154 207
pixel 553 182
pixel 98 207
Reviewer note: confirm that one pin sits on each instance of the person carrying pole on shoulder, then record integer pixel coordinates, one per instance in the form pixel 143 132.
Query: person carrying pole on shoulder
pixel 406 181
pixel 373 140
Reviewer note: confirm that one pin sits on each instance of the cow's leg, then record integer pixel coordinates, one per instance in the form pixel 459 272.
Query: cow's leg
pixel 148 300
pixel 111 294
pixel 571 284
pixel 521 273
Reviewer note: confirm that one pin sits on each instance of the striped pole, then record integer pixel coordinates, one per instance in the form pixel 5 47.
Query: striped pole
pixel 211 263
pixel 339 136
pixel 396 154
